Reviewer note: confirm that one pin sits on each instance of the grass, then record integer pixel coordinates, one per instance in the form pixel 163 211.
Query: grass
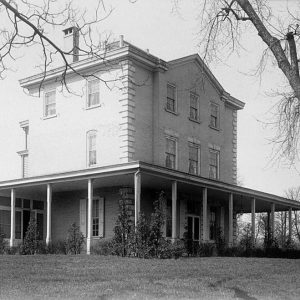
pixel 58 276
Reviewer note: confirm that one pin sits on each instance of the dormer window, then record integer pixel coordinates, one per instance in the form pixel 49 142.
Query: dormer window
pixel 93 94
pixel 50 104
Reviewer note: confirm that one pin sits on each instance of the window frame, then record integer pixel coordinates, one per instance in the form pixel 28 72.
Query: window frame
pixel 215 151
pixel 99 234
pixel 88 89
pixel 198 147
pixel 175 111
pixel 46 115
pixel 216 118
pixel 197 117
pixel 175 140
pixel 89 135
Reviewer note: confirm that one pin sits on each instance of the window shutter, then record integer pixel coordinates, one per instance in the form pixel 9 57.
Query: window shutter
pixel 82 217
pixel 101 217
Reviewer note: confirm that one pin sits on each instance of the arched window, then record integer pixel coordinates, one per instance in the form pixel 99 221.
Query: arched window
pixel 91 148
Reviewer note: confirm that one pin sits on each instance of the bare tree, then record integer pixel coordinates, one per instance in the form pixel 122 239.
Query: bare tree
pixel 28 23
pixel 294 194
pixel 222 24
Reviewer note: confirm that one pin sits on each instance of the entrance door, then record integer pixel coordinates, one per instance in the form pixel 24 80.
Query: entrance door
pixel 26 219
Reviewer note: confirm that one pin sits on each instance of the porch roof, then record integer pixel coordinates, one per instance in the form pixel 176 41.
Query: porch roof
pixel 122 171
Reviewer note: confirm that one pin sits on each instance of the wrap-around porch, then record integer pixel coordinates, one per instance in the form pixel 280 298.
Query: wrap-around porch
pixel 194 205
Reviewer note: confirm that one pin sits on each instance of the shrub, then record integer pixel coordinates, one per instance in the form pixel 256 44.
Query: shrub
pixel 220 242
pixel 30 243
pixel 167 249
pixel 57 247
pixel 104 247
pixel 123 229
pixel 75 240
pixel 205 249
pixel 141 243
pixel 13 250
pixel 3 244
pixel 156 224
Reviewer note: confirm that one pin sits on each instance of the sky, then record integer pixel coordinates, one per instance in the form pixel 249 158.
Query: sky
pixel 170 34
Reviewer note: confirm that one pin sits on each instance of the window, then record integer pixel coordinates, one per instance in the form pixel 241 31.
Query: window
pixel 171 152
pixel 49 104
pixel 194 155
pixel 169 218
pixel 171 98
pixel 214 161
pixel 194 107
pixel 193 228
pixel 212 224
pixel 92 147
pixel 98 217
pixel 214 115
pixel 193 207
pixel 93 93
pixel 5 223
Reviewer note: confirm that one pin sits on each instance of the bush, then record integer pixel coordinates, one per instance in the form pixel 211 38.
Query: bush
pixel 30 243
pixel 104 247
pixel 57 247
pixel 167 249
pixel 75 240
pixel 3 244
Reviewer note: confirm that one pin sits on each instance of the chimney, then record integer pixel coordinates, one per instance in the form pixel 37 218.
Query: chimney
pixel 71 43
pixel 121 42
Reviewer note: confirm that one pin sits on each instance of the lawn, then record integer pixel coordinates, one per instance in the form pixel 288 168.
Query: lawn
pixel 58 276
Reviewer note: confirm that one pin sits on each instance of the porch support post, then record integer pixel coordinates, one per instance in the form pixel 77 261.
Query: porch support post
pixel 272 220
pixel 12 217
pixel 49 202
pixel 290 224
pixel 174 210
pixel 204 213
pixel 89 213
pixel 137 196
pixel 253 221
pixel 230 221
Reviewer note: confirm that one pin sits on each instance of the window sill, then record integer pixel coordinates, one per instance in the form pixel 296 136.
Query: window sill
pixel 92 107
pixel 194 120
pixel 171 112
pixel 49 117
pixel 214 128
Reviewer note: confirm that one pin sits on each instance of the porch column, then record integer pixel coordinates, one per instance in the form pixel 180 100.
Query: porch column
pixel 204 213
pixel 272 220
pixel 12 217
pixel 230 221
pixel 137 196
pixel 89 215
pixel 253 220
pixel 49 202
pixel 290 224
pixel 174 210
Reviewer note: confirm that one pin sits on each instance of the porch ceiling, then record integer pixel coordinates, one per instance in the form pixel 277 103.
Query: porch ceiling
pixel 152 177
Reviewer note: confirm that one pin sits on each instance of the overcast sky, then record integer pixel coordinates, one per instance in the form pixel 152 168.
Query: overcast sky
pixel 167 34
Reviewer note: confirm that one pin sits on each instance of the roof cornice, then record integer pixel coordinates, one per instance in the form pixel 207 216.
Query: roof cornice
pixel 108 59
pixel 226 97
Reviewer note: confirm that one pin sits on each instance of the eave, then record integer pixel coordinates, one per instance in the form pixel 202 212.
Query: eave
pixel 109 59
pixel 146 168
pixel 226 97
